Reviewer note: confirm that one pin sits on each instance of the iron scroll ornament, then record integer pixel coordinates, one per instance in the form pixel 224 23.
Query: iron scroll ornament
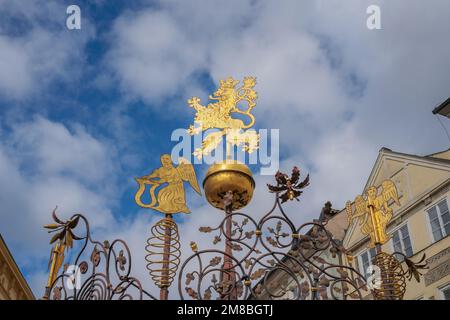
pixel 271 259
pixel 104 269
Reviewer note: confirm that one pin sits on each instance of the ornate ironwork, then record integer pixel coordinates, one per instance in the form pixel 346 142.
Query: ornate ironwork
pixel 102 271
pixel 266 259
pixel 270 258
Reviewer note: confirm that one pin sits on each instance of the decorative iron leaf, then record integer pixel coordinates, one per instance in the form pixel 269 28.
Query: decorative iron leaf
pixel 257 274
pixel 323 293
pixel 249 234
pixel 215 261
pixel 205 229
pixel 320 260
pixel 343 273
pixel 57 236
pixel 55 218
pixel 207 294
pixel 122 260
pixel 258 288
pixel 95 256
pixel 73 223
pixel 69 239
pixel 189 278
pixel 324 281
pixel 52 226
pixel 306 245
pixel 236 247
pixel 304 237
pixel 216 239
pixel 345 286
pixel 279 226
pixel 274 189
pixel 303 184
pixel 192 293
pixel 57 293
pixel 119 289
pixel 271 241
pixel 354 295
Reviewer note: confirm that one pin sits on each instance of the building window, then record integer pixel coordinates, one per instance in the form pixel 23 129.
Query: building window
pixel 402 242
pixel 445 292
pixel 366 260
pixel 439 217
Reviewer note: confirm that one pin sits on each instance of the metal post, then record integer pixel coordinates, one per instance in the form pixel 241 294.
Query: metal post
pixel 227 273
pixel 164 291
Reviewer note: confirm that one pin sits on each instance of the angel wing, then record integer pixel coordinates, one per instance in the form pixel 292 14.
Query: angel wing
pixel 348 209
pixel 361 210
pixel 389 191
pixel 187 173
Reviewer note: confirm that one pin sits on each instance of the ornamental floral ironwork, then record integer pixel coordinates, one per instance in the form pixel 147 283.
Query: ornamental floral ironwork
pixel 269 258
pixel 100 270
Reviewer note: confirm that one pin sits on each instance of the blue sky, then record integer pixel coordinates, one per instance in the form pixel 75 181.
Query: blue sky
pixel 82 112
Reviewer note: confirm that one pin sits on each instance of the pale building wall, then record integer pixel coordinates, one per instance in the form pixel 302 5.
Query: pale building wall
pixel 421 183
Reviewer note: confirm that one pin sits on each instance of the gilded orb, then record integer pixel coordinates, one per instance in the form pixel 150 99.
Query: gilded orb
pixel 227 176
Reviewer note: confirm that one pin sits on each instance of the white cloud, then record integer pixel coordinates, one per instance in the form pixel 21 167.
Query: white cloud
pixel 54 150
pixel 13 61
pixel 156 59
pixel 36 48
pixel 42 165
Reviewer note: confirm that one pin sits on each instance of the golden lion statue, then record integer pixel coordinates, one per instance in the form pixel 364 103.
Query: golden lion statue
pixel 219 115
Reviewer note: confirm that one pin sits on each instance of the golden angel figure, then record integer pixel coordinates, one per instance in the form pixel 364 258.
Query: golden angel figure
pixel 171 196
pixel 373 212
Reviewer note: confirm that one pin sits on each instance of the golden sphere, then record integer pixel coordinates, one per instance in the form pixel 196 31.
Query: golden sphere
pixel 227 176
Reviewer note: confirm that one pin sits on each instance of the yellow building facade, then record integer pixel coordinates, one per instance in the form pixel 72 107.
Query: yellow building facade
pixel 12 283
pixel 420 225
